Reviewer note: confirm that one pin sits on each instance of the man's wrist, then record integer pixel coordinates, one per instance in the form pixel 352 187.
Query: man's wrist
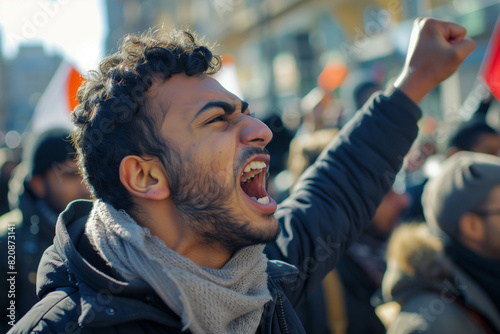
pixel 413 84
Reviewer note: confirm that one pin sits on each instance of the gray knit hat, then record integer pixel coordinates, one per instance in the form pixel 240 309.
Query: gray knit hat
pixel 466 178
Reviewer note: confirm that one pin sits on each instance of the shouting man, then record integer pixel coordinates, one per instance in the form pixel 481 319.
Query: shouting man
pixel 182 231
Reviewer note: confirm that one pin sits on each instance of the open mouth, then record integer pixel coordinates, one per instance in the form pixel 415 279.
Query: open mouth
pixel 252 182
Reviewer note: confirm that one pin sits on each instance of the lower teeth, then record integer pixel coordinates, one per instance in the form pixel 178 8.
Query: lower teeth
pixel 263 200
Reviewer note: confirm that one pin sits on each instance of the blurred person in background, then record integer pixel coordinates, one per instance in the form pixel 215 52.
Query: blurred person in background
pixel 363 91
pixel 446 274
pixel 320 107
pixel 9 159
pixel 320 110
pixel 182 235
pixel 52 181
pixel 472 136
pixel 475 137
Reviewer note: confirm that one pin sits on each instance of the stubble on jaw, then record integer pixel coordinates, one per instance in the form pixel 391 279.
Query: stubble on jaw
pixel 203 198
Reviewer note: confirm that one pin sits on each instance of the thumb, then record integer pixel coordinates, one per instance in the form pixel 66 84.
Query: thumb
pixel 464 47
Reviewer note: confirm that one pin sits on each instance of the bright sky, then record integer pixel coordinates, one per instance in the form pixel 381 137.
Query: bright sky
pixel 73 28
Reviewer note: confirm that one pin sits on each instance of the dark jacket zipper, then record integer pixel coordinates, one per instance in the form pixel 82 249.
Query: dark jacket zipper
pixel 281 314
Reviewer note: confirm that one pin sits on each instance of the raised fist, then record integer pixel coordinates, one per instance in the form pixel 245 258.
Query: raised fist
pixel 436 50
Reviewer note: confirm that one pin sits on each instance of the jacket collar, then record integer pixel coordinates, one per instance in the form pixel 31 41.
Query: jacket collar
pixel 105 298
pixel 279 270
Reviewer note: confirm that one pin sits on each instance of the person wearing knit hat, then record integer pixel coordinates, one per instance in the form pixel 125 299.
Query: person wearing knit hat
pixel 445 273
pixel 457 199
pixel 54 175
pixel 49 148
pixel 45 182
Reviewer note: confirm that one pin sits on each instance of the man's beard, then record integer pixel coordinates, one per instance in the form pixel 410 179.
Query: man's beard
pixel 204 200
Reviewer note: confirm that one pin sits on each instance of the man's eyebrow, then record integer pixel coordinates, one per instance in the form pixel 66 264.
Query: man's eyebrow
pixel 227 107
pixel 244 106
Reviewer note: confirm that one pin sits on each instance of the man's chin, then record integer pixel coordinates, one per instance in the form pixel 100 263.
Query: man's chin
pixel 267 232
pixel 273 232
pixel 276 234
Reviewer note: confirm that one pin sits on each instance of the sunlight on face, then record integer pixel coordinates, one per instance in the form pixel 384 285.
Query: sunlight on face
pixel 218 173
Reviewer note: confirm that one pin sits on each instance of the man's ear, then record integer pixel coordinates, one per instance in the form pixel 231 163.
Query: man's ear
pixel 471 227
pixel 144 178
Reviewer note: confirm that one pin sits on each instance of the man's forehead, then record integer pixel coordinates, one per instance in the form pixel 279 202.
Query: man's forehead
pixel 182 91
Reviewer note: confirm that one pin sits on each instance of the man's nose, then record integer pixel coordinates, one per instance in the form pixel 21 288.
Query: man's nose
pixel 255 132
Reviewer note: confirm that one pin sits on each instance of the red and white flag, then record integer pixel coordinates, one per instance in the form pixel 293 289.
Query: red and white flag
pixel 490 70
pixel 58 100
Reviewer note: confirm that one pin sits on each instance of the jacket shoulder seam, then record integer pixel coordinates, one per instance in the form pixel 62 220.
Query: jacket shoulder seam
pixel 66 295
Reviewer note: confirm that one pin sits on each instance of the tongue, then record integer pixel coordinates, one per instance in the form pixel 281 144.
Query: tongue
pixel 250 188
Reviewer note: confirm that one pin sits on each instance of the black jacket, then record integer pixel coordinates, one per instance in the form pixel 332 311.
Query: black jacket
pixel 25 233
pixel 326 213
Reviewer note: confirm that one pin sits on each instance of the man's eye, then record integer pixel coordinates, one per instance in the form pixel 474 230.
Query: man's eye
pixel 221 118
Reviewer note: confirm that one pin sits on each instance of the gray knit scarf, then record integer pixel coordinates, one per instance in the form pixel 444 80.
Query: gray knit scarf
pixel 226 300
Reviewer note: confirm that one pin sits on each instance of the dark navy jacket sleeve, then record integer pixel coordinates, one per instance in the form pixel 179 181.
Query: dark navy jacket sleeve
pixel 337 196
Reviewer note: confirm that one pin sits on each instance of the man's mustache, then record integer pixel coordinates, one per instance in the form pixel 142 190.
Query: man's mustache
pixel 247 153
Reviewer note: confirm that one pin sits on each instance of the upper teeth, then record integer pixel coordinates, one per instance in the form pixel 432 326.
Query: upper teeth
pixel 255 165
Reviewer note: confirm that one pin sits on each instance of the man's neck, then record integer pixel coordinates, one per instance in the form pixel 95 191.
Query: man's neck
pixel 165 222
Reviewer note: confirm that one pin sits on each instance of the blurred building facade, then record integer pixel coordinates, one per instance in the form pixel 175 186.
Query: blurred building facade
pixel 26 77
pixel 134 16
pixel 281 46
pixel 3 102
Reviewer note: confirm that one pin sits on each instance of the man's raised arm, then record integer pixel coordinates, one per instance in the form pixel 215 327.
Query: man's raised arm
pixel 337 196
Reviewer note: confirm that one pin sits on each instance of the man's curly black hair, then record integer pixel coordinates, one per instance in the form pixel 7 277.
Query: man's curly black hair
pixel 114 117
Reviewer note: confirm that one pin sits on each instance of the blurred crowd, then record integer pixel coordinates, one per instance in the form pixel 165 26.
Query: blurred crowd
pixel 35 189
pixel 433 242
pixel 418 247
